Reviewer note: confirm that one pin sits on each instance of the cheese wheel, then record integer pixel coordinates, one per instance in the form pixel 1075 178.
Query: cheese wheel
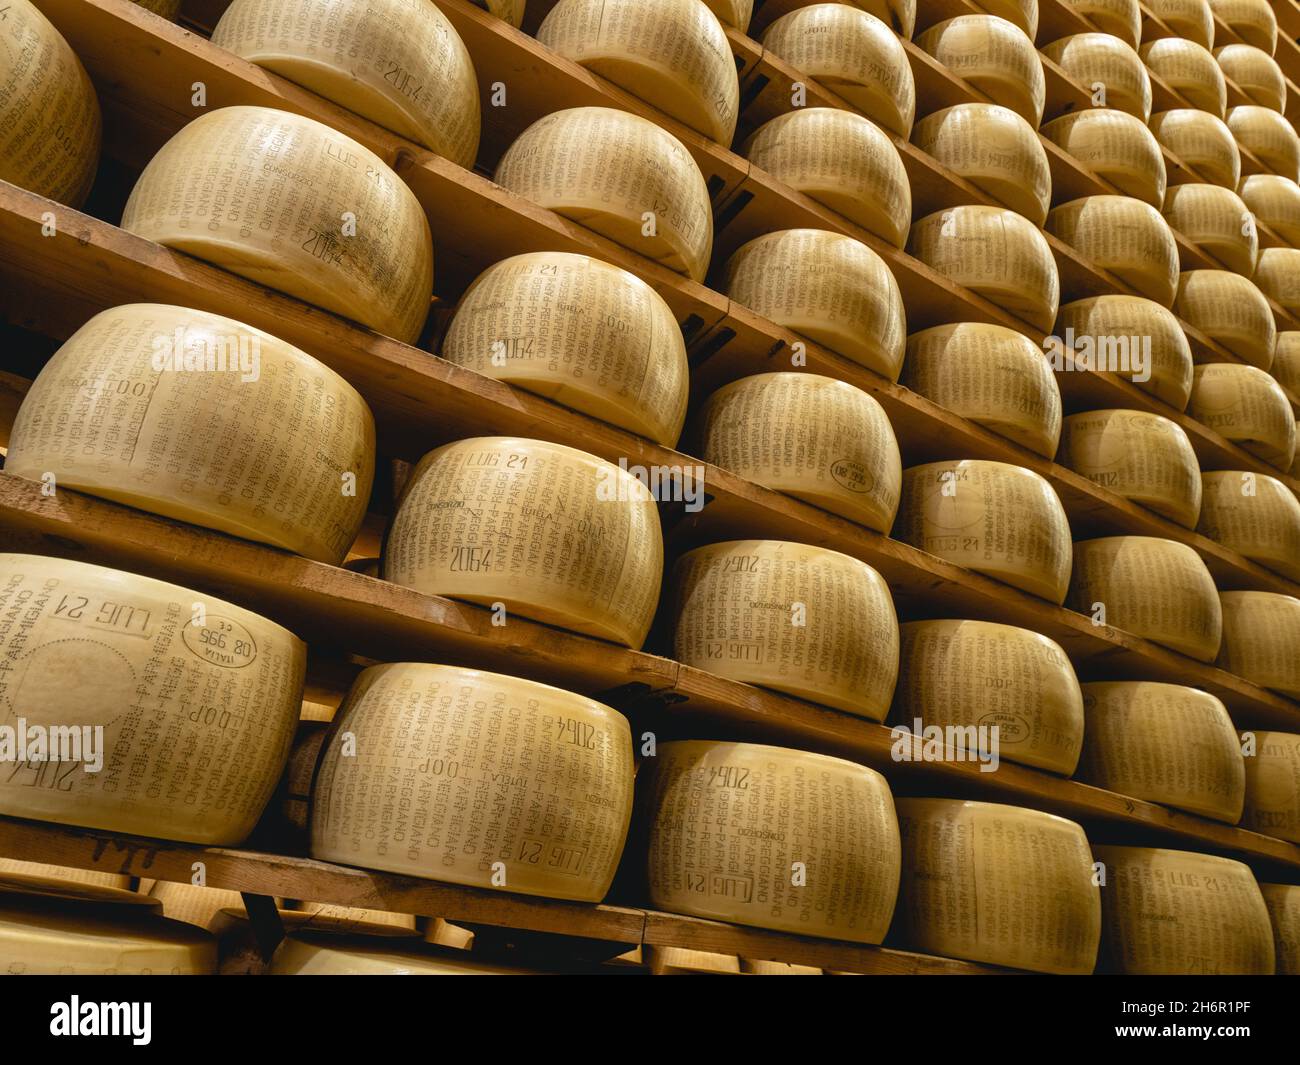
pixel 1123 18
pixel 990 375
pixel 758 967
pixel 1139 456
pixel 608 170
pixel 399 63
pixel 820 440
pixel 1230 309
pixel 1021 13
pixel 853 54
pixel 1190 71
pixel 802 620
pixel 203 419
pixel 326 917
pixel 842 161
pixel 1283 902
pixel 677 961
pixel 997 884
pixel 1202 142
pixel 1187 18
pixel 1000 520
pixel 47 886
pixel 511 11
pixel 1246 406
pixel 1216 220
pixel 39 873
pixel 827 287
pixel 1094 59
pixel 558 766
pixel 1278 277
pixel 971 675
pixel 994 149
pixel 727 823
pixel 995 253
pixel 530 525
pixel 579 331
pixel 305 954
pixel 1179 913
pixel 1270 137
pixel 204 907
pixel 1255 72
pixel 1286 361
pixel 1256 516
pixel 1273 785
pixel 1098 323
pixel 1261 635
pixel 1164 743
pixel 1157 589
pixel 1125 236
pixel 900 15
pixel 994 56
pixel 197 700
pixel 1251 20
pixel 671 53
pixel 1115 146
pixel 49 114
pixel 1275 201
pixel 736 13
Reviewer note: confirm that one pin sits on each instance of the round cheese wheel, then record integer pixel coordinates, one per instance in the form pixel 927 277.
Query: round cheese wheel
pixel 820 440
pixel 1270 137
pixel 1096 325
pixel 1251 20
pixel 1278 277
pixel 1189 70
pixel 60 876
pixel 735 13
pixel 1248 407
pixel 1216 220
pixel 1123 18
pixel 49 114
pixel 1125 236
pixel 758 967
pixel 1256 516
pixel 621 176
pixel 802 620
pixel 1255 72
pixel 972 675
pixel 994 149
pixel 203 419
pixel 1286 361
pixel 528 525
pixel 1022 13
pixel 995 253
pixel 168 9
pixel 325 917
pixel 842 161
pixel 1157 589
pixel 990 375
pixel 1275 201
pixel 671 53
pixel 580 331
pixel 195 701
pixel 997 884
pixel 771 837
pixel 1230 309
pixel 827 287
pixel 1261 632
pixel 1202 142
pixel 1283 902
pixel 1164 743
pixel 397 63
pixel 1094 59
pixel 558 766
pixel 204 907
pixel 1115 146
pixel 1000 520
pixel 853 54
pixel 1187 18
pixel 1273 786
pixel 994 56
pixel 899 14
pixel 1139 456
pixel 305 954
pixel 677 961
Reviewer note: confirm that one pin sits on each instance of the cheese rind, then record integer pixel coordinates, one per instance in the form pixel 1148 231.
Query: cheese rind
pixel 1022 13
pixel 1187 18
pixel 1116 146
pixel 1247 406
pixel 1123 18
pixel 993 55
pixel 735 13
pixel 305 954
pixel 1255 72
pixel 1283 902
pixel 1231 309
pixel 1217 221
pixel 1125 236
pixel 1275 201
pixel 1261 639
pixel 1103 59
pixel 1278 277
pixel 1190 70
pixel 1251 20
pixel 1202 141
pixel 1273 785
pixel 1286 361
pixel 1268 135
pixel 61 875
pixel 1255 515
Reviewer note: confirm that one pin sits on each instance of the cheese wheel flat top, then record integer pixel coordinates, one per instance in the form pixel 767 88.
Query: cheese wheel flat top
pixel 1125 236
pixel 1283 902
pixel 1190 70
pixel 1094 59
pixel 1275 201
pixel 1278 277
pixel 204 907
pixel 1251 20
pixel 63 875
pixel 1256 516
pixel 305 954
pixel 1116 146
pixel 993 55
pixel 1123 18
pixel 1216 220
pixel 1255 72
pixel 50 882
pixel 1269 135
pixel 1022 13
pixel 1261 638
pixel 1187 18
pixel 1231 309
pixel 1247 406
pixel 1273 785
pixel 1202 141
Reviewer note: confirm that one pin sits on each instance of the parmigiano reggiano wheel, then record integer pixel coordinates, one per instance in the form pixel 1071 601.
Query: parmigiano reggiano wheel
pixel 677 961
pixel 997 884
pixel 62 876
pixel 840 160
pixel 991 375
pixel 671 53
pixel 760 810
pixel 1261 639
pixel 1125 236
pixel 1245 405
pixel 1164 743
pixel 1187 18
pixel 49 114
pixel 830 288
pixel 203 419
pixel 204 907
pixel 853 54
pixel 991 517
pixel 993 252
pixel 399 64
pixel 820 440
pixel 292 204
pixel 1278 276
pixel 1283 902
pixel 1216 220
pixel 994 56
pixel 1273 785
pixel 1094 59
pixel 1148 327
pixel 607 169
pixel 995 149
pixel 1256 516
pixel 1139 456
pixel 1251 20
pixel 1022 13
pixel 188 689
pixel 304 954
pixel 735 13
pixel 558 764
pixel 551 533
pixel 1275 201
pixel 1231 309
pixel 1286 361
pixel 1270 137
pixel 974 674
pixel 1202 141
pixel 1255 72
pixel 802 620
pixel 1115 146
pixel 1190 71
pixel 1180 913
pixel 1157 589
pixel 587 334
pixel 758 967
pixel 511 11
pixel 1123 18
